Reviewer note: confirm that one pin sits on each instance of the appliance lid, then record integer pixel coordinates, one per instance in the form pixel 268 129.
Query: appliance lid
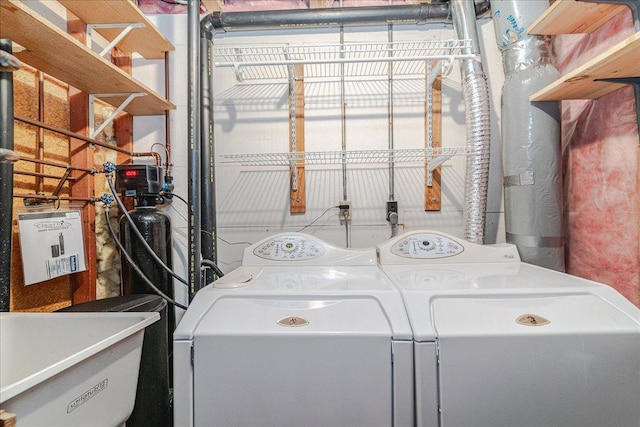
pixel 580 314
pixel 298 316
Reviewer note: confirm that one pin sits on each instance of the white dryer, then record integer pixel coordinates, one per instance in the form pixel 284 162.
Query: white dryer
pixel 499 342
pixel 302 334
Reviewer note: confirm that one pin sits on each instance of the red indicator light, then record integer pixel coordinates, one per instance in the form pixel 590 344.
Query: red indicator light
pixel 131 173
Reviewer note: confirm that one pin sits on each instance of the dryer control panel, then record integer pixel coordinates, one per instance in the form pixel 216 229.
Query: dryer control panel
pixel 293 247
pixel 296 249
pixel 426 245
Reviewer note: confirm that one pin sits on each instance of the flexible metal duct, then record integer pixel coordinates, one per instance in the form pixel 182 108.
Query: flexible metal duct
pixel 6 181
pixel 478 133
pixel 532 158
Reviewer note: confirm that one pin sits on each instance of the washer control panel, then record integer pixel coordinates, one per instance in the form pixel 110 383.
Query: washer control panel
pixel 289 248
pixel 426 246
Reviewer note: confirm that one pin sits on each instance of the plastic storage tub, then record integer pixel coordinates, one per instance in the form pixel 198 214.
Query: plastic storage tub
pixel 153 406
pixel 70 369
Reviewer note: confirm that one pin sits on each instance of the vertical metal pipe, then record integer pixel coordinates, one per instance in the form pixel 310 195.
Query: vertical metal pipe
pixel 6 182
pixel 167 114
pixel 40 166
pixel 390 117
pixel 343 118
pixel 208 201
pixel 193 113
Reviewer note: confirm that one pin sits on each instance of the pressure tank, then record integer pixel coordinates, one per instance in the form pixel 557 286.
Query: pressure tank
pixel 155 227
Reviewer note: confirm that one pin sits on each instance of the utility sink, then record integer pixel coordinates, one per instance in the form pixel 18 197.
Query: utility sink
pixel 70 369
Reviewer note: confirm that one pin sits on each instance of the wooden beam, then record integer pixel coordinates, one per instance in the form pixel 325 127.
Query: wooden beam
pixel 213 5
pixel 317 4
pixel 298 196
pixel 81 155
pixel 433 192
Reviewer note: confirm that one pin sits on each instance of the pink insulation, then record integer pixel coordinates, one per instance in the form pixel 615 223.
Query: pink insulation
pixel 600 141
pixel 245 5
pixel 177 6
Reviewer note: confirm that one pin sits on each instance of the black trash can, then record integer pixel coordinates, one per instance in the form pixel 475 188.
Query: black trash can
pixel 153 401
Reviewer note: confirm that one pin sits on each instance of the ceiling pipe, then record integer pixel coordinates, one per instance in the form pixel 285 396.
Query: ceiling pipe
pixel 415 14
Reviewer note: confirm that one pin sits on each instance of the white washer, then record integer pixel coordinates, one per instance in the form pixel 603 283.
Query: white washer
pixel 499 342
pixel 302 334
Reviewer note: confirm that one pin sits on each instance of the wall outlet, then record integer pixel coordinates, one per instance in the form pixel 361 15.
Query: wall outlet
pixel 345 211
pixel 392 208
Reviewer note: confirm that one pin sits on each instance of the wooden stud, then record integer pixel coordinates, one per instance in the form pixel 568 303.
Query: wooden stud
pixel 213 5
pixel 433 192
pixel 298 197
pixel 81 155
pixel 123 124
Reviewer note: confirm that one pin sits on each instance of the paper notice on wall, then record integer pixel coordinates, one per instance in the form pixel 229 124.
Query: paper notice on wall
pixel 51 244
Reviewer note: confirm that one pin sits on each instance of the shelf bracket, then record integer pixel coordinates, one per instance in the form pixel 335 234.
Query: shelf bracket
pixel 126 29
pixel 111 118
pixel 635 82
pixel 237 70
pixel 634 5
pixel 435 163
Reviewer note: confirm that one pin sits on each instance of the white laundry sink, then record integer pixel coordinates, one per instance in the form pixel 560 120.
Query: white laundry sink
pixel 70 369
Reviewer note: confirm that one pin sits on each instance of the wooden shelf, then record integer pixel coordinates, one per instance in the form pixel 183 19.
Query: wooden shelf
pixel 147 41
pixel 574 17
pixel 622 60
pixel 56 53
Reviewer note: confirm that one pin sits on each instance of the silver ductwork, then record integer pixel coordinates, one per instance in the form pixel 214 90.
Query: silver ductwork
pixel 475 92
pixel 532 158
